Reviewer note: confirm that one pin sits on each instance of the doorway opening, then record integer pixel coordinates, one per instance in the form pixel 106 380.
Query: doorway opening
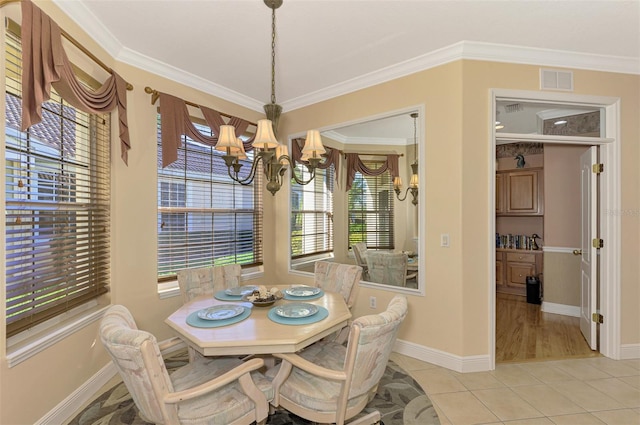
pixel 607 140
pixel 539 252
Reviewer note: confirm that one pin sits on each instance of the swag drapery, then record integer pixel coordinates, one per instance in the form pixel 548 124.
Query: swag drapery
pixel 45 64
pixel 176 122
pixel 355 164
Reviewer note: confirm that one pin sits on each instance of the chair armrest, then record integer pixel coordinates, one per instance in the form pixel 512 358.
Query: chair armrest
pixel 170 343
pixel 314 369
pixel 220 381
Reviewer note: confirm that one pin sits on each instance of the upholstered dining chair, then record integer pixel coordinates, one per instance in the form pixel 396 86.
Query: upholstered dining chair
pixel 208 280
pixel 206 391
pixel 360 252
pixel 388 267
pixel 340 278
pixel 330 383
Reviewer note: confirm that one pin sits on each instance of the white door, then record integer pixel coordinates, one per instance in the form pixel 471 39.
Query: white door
pixel 588 265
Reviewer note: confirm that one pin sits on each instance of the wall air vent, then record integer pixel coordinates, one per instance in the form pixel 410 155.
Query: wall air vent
pixel 551 79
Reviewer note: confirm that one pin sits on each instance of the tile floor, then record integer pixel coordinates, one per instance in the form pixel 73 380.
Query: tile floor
pixel 586 391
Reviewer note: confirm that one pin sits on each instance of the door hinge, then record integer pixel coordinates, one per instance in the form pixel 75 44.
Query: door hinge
pixel 597 168
pixel 597 243
pixel 597 317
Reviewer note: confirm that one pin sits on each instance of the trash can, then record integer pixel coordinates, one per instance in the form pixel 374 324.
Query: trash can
pixel 533 290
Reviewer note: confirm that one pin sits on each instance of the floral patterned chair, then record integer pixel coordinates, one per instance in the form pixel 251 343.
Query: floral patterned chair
pixel 360 252
pixel 342 279
pixel 206 391
pixel 330 383
pixel 208 280
pixel 388 267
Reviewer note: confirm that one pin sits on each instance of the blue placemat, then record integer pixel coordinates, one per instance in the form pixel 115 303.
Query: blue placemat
pixel 223 296
pixel 197 322
pixel 322 313
pixel 310 297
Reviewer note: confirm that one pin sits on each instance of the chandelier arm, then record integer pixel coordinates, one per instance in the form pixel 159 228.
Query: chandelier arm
pixel 295 177
pixel 398 191
pixel 252 173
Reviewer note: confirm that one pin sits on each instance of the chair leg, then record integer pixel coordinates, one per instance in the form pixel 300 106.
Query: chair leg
pixel 372 418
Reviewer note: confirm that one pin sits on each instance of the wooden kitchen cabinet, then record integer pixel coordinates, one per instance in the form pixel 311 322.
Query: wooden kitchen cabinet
pixel 512 268
pixel 519 193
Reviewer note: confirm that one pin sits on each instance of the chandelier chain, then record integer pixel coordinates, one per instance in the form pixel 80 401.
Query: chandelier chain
pixel 273 55
pixel 415 139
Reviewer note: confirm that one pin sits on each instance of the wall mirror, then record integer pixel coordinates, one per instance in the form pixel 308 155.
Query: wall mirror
pixel 327 220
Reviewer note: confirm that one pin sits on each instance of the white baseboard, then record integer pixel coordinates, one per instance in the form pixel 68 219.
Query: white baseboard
pixel 629 351
pixel 565 310
pixel 441 358
pixel 65 410
pixel 85 393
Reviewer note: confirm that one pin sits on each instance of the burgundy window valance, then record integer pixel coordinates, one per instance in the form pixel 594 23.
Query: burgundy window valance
pixel 176 122
pixel 355 164
pixel 45 64
pixel 331 157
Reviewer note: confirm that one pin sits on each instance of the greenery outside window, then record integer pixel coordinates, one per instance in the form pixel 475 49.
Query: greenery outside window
pixel 57 208
pixel 312 213
pixel 204 217
pixel 370 203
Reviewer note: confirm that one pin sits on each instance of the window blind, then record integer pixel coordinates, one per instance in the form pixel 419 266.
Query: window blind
pixel 370 201
pixel 57 208
pixel 312 213
pixel 204 217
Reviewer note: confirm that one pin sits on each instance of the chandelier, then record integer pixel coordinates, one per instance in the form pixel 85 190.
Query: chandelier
pixel 413 183
pixel 273 155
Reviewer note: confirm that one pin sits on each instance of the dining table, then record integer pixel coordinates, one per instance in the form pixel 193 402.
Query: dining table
pixel 227 324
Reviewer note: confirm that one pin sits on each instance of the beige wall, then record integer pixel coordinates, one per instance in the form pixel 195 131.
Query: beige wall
pixel 453 317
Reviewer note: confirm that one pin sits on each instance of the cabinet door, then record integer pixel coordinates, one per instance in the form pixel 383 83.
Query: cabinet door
pixel 522 193
pixel 499 193
pixel 499 273
pixel 517 274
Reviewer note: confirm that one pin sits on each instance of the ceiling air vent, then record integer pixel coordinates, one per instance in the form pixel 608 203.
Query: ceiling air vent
pixel 551 79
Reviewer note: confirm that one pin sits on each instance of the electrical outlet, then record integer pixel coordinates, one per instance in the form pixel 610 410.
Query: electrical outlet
pixel 373 303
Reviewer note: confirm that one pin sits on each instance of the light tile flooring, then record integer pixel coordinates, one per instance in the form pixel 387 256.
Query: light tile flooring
pixel 586 391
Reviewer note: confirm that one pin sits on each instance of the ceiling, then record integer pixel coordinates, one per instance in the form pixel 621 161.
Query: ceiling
pixel 325 48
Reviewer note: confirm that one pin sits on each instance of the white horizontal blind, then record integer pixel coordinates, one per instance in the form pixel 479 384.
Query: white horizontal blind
pixel 204 217
pixel 57 205
pixel 370 203
pixel 312 213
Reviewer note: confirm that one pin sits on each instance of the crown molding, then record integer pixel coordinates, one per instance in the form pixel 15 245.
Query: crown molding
pixel 170 72
pixel 471 50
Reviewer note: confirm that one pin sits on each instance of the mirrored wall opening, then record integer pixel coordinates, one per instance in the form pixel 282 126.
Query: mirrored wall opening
pixel 367 197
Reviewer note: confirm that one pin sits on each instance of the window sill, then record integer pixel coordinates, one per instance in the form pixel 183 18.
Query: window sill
pixel 27 344
pixel 171 288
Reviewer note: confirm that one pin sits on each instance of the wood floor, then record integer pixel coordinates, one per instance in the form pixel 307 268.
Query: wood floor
pixel 523 332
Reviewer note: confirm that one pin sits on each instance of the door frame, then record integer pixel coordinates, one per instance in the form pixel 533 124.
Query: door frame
pixel 609 272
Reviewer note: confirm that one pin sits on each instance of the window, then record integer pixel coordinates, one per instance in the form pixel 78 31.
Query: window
pixel 204 217
pixel 312 213
pixel 370 203
pixel 57 209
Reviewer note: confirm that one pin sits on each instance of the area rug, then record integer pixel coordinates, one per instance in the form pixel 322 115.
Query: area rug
pixel 399 399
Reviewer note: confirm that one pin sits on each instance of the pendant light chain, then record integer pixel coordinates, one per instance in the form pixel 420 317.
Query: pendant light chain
pixel 273 55
pixel 415 139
